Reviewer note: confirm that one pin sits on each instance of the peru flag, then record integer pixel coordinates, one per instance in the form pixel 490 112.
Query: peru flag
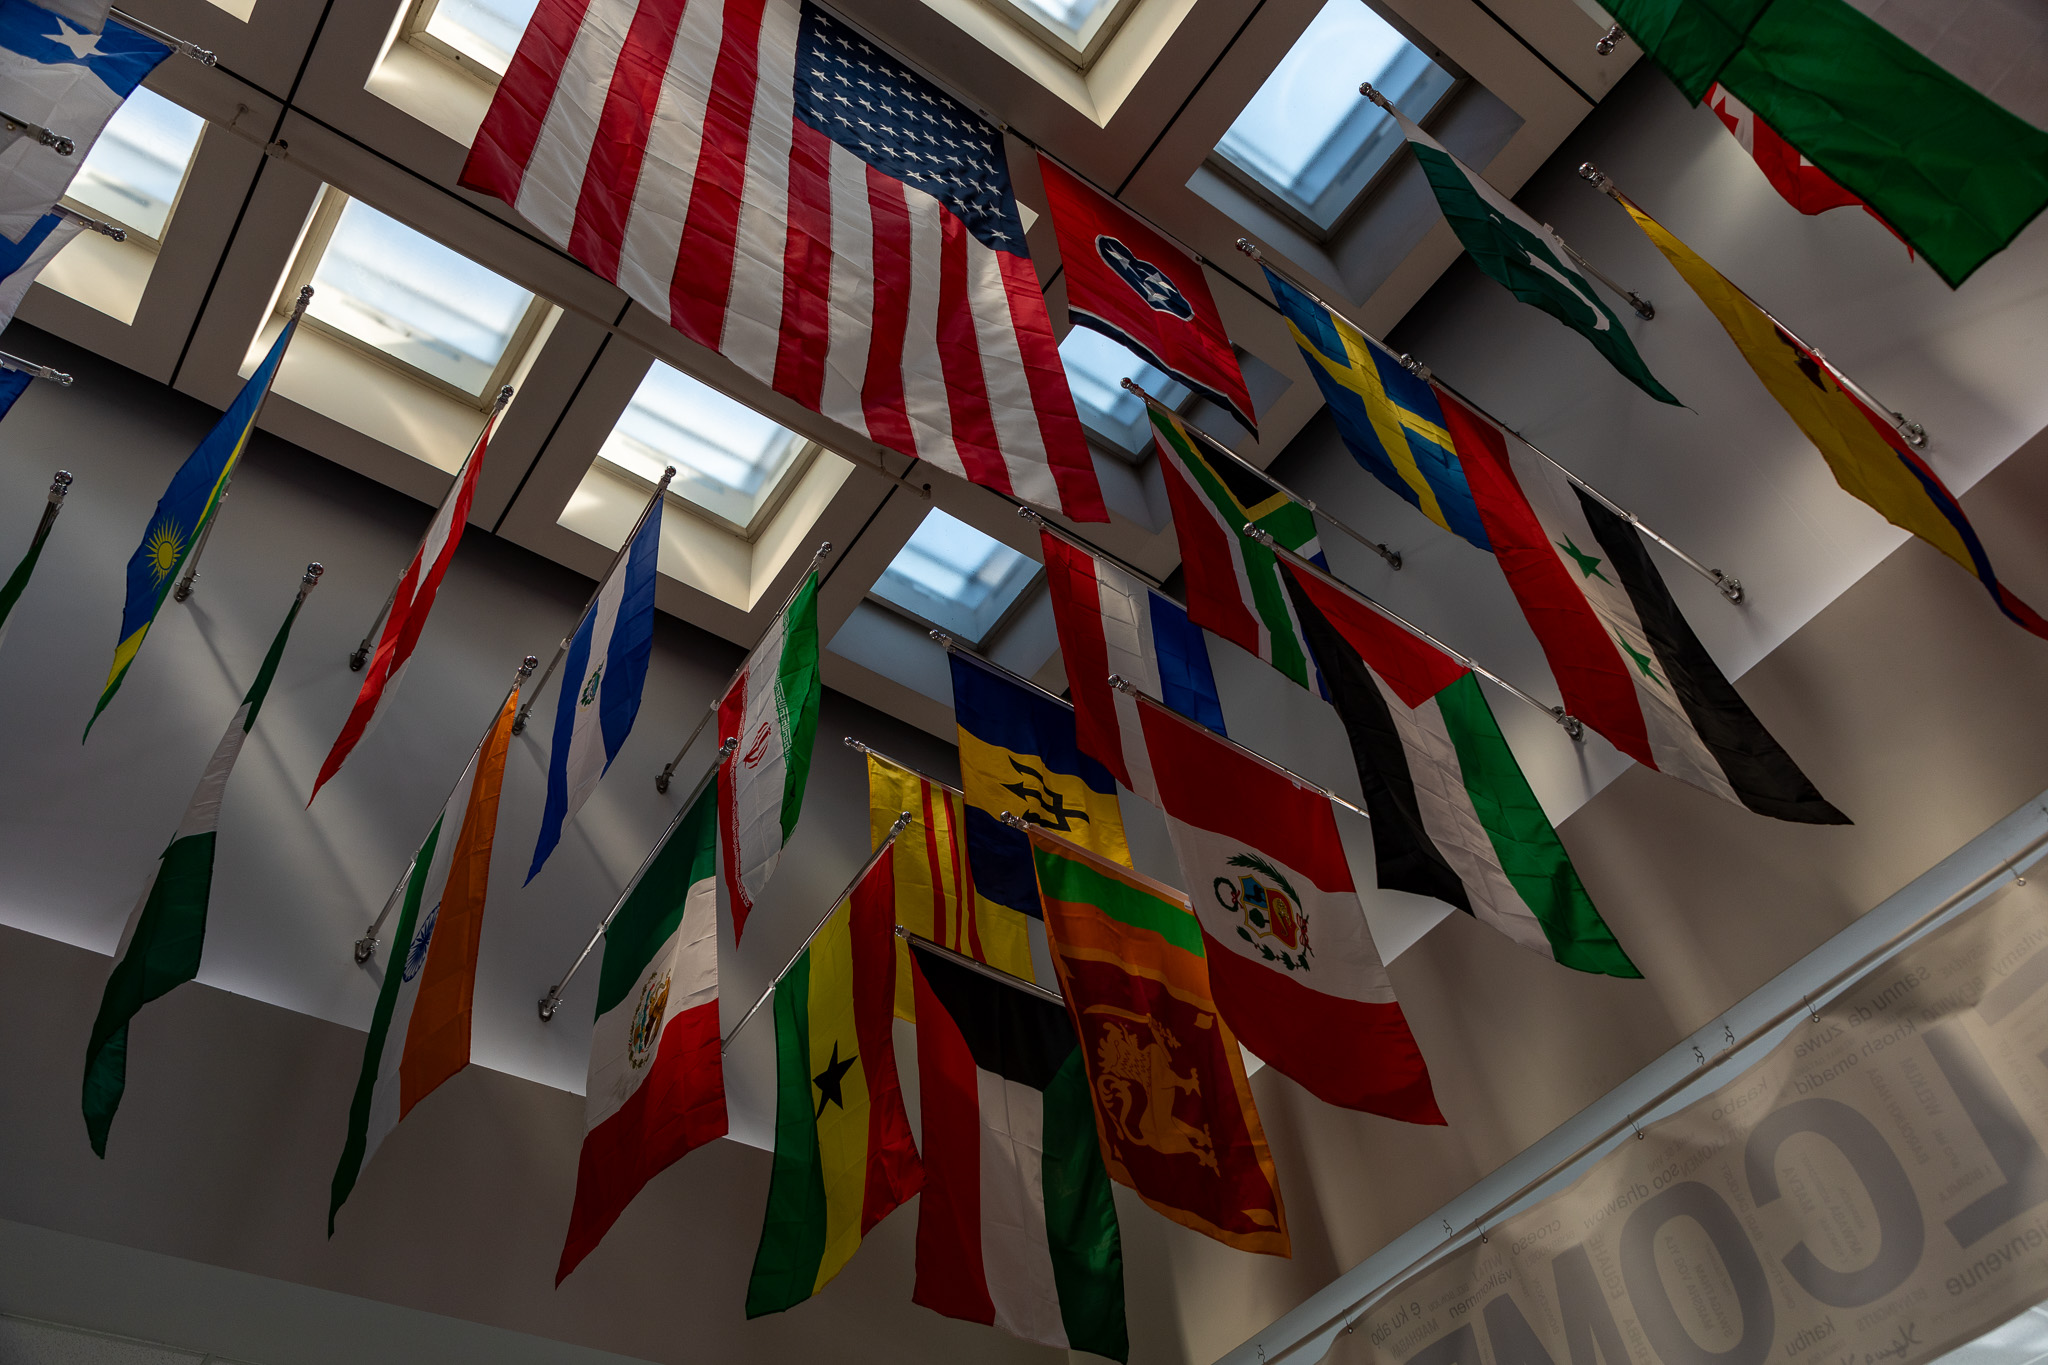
pixel 1291 959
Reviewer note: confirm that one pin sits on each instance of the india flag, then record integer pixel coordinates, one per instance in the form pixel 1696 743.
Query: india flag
pixel 772 709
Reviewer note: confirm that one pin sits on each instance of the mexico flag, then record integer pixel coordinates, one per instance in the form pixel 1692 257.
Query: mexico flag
pixel 1291 960
pixel 419 1031
pixel 1016 1227
pixel 657 1085
pixel 772 709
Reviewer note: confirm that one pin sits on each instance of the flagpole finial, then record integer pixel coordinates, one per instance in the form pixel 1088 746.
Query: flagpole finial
pixel 504 397
pixel 1609 41
pixel 943 640
pixel 1250 248
pixel 1365 88
pixel 305 297
pixel 60 483
pixel 313 572
pixel 1593 176
pixel 1133 386
pixel 527 665
pixel 666 475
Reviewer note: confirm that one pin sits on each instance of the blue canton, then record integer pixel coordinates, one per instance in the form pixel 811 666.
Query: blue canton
pixel 905 127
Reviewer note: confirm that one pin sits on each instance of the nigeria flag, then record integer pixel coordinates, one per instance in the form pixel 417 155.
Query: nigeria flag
pixel 772 710
pixel 1526 257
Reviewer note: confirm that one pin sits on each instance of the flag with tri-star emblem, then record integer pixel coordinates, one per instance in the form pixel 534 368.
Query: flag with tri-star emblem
pixel 1132 285
pixel 791 196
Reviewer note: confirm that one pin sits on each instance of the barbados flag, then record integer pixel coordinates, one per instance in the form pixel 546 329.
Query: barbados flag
pixel 182 515
pixel 1389 418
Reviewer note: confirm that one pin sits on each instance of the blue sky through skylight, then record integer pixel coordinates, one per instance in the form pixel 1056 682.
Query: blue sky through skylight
pixel 728 457
pixel 487 30
pixel 956 577
pixel 1096 369
pixel 133 171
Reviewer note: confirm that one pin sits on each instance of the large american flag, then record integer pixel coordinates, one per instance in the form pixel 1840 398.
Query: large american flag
pixel 787 193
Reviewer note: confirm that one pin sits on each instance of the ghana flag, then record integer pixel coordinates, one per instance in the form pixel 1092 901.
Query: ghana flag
pixel 844 1157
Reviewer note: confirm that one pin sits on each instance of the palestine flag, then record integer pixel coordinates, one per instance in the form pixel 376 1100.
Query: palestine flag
pixel 772 707
pixel 657 1085
pixel 166 932
pixel 844 1158
pixel 1016 1227
pixel 1625 658
pixel 1452 815
pixel 1233 583
pixel 1526 257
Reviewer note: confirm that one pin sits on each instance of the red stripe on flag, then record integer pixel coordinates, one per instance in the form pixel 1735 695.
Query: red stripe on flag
pixel 894 1172
pixel 504 144
pixel 1077 616
pixel 1059 426
pixel 1209 558
pixel 702 284
pixel 731 714
pixel 974 429
pixel 881 393
pixel 1414 668
pixel 677 1109
pixel 806 334
pixel 1583 657
pixel 613 171
pixel 934 871
pixel 951 1277
pixel 963 878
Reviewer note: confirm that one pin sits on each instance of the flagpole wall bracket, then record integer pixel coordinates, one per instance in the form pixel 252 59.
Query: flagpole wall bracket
pixel 56 142
pixel 549 1003
pixel 365 946
pixel 1729 584
pixel 1609 41
pixel 1573 726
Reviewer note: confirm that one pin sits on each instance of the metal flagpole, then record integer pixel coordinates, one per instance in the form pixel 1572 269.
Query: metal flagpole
pixel 1729 585
pixel 33 370
pixel 1393 557
pixel 953 646
pixel 902 819
pixel 184 588
pixel 1573 726
pixel 367 944
pixel 1642 306
pixel 362 654
pixel 92 224
pixel 43 137
pixel 553 999
pixel 201 55
pixel 856 745
pixel 661 778
pixel 526 707
pixel 982 968
pixel 1089 547
pixel 1915 434
pixel 60 484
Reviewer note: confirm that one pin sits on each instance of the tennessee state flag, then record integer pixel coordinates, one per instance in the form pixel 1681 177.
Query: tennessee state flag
pixel 1132 285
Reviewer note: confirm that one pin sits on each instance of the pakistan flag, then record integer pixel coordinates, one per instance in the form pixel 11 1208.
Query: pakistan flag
pixel 1526 256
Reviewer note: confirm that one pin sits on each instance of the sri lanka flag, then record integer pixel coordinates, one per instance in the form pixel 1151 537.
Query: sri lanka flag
pixel 182 514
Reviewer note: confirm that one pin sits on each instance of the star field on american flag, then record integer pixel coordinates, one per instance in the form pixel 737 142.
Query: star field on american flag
pixel 905 127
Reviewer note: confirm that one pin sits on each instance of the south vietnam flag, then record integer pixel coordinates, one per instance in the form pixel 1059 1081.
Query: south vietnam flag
pixel 844 1157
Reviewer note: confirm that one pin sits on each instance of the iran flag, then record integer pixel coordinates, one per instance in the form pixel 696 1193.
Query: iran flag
pixel 1291 961
pixel 772 709
pixel 657 1085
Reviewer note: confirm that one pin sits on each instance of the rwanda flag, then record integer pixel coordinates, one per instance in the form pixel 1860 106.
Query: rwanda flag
pixel 182 514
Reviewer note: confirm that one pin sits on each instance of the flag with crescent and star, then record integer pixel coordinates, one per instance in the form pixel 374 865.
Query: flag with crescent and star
pixel 844 1157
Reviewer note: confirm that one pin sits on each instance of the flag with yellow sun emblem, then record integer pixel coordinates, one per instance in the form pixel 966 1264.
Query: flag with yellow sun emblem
pixel 182 514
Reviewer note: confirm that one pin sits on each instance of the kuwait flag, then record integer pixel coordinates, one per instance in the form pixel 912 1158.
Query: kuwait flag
pixel 772 707
pixel 657 1086
pixel 166 932
pixel 411 600
pixel 1452 815
pixel 1016 1227
pixel 1291 959
pixel 1625 658
pixel 1111 623
pixel 419 1031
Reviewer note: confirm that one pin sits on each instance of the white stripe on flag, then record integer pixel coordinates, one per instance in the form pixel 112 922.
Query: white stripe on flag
pixel 668 169
pixel 15 287
pixel 586 759
pixel 1018 434
pixel 553 181
pixel 851 313
pixel 1016 1258
pixel 924 375
pixel 689 961
pixel 753 312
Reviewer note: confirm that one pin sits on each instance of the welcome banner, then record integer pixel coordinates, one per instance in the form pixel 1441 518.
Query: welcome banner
pixel 1873 1191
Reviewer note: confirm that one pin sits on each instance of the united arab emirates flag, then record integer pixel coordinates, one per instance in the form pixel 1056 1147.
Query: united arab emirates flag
pixel 844 1157
pixel 166 932
pixel 657 1085
pixel 1452 815
pixel 1526 257
pixel 772 708
pixel 1016 1227
pixel 1625 657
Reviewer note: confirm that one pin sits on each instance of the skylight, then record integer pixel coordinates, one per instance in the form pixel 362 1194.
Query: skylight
pixel 486 31
pixel 1308 137
pixel 729 459
pixel 134 170
pixel 1096 369
pixel 955 577
pixel 405 295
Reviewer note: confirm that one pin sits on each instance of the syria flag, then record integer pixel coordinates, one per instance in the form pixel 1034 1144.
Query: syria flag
pixel 1132 285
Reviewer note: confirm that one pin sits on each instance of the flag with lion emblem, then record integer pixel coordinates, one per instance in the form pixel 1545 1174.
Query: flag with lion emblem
pixel 1173 1108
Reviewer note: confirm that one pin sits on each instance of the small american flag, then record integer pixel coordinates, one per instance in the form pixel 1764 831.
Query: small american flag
pixel 788 194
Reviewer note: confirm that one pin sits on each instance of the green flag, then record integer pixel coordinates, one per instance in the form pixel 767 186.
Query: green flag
pixel 1526 257
pixel 166 933
pixel 10 592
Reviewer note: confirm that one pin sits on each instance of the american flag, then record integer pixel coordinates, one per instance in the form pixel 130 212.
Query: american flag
pixel 790 195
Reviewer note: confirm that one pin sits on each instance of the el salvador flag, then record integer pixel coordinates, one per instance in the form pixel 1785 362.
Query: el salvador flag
pixel 601 683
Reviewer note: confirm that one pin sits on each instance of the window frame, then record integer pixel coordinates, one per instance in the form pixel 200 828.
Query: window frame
pixel 1004 619
pixel 154 244
pixel 414 31
pixel 800 464
pixel 313 247
pixel 1080 55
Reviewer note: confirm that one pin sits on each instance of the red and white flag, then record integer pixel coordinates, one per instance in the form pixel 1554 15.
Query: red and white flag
pixel 1291 960
pixel 791 196
pixel 411 600
pixel 1802 184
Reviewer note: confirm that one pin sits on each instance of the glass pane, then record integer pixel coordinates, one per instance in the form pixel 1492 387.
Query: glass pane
pixel 414 299
pixel 1072 15
pixel 487 30
pixel 1308 135
pixel 1096 369
pixel 955 577
pixel 728 457
pixel 133 171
